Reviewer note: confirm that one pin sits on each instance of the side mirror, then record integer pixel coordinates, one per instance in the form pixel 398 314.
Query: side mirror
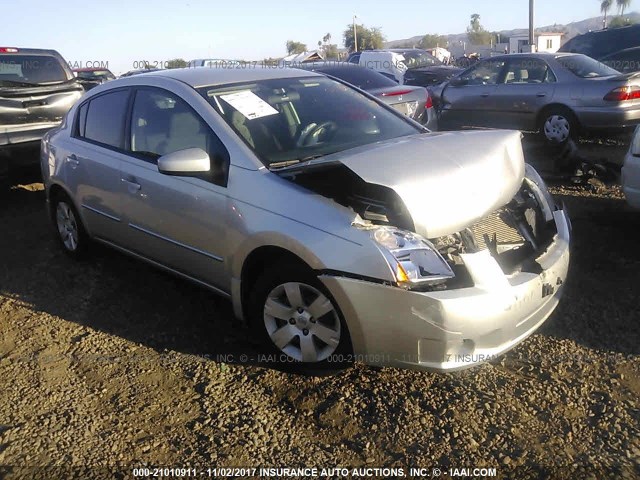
pixel 188 162
pixel 458 82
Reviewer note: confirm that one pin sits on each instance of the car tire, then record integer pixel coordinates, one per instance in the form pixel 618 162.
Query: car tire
pixel 300 343
pixel 558 125
pixel 68 227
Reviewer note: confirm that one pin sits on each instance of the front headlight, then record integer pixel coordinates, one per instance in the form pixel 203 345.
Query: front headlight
pixel 413 259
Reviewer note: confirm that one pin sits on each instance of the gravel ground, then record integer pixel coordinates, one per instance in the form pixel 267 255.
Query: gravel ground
pixel 109 364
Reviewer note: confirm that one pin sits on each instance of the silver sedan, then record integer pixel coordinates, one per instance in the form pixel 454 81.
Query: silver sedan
pixel 558 95
pixel 340 229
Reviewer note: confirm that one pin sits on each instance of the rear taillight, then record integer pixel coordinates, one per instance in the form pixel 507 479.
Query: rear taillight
pixel 8 50
pixel 622 94
pixel 429 103
pixel 396 93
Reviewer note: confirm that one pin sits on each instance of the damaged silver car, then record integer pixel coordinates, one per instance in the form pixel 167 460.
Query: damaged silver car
pixel 340 229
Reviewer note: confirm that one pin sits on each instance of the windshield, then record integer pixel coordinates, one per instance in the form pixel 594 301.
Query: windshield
pixel 417 59
pixel 290 120
pixel 586 67
pixel 30 70
pixel 95 74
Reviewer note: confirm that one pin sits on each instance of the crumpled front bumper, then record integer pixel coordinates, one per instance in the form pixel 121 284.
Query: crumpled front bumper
pixel 453 329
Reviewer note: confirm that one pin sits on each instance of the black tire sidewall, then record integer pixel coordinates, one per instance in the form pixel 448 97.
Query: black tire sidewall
pixel 268 280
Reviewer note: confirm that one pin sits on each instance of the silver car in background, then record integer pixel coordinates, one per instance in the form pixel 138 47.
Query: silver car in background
pixel 339 229
pixel 559 95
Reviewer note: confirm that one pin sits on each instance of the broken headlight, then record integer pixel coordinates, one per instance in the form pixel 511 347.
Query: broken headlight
pixel 413 259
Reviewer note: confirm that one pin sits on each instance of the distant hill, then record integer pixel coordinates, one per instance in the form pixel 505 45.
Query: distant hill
pixel 570 30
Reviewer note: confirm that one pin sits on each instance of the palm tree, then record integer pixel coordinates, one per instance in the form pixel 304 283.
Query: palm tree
pixel 605 6
pixel 622 5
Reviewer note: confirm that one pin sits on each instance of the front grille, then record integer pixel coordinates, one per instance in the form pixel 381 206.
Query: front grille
pixel 495 224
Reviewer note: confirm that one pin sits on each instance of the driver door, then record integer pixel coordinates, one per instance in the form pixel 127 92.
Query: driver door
pixel 468 100
pixel 177 221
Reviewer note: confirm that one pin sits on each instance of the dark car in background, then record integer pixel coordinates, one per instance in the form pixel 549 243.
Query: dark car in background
pixel 424 69
pixel 625 61
pixel 92 77
pixel 409 66
pixel 416 102
pixel 602 43
pixel 138 72
pixel 37 88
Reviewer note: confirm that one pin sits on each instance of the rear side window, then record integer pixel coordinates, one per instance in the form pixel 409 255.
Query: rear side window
pixel 31 69
pixel 105 119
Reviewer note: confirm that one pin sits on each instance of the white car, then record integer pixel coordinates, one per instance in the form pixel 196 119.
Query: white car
pixel 631 171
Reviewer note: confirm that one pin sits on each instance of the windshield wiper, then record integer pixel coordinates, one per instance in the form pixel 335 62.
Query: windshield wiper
pixel 295 161
pixel 13 83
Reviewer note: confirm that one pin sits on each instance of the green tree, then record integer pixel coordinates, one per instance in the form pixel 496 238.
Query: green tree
pixel 295 47
pixel 368 38
pixel 623 5
pixel 431 41
pixel 177 63
pixel 605 6
pixel 620 22
pixel 476 33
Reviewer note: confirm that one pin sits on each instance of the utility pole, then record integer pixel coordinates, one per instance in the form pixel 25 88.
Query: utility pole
pixel 532 37
pixel 355 36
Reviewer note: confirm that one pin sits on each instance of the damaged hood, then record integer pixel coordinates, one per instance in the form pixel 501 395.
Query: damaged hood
pixel 447 180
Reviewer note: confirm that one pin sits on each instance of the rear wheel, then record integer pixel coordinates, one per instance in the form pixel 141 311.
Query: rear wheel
pixel 68 227
pixel 298 321
pixel 558 125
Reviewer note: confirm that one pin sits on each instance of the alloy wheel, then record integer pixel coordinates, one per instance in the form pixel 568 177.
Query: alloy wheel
pixel 67 226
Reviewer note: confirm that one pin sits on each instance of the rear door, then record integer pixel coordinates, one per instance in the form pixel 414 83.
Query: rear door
pixel 92 171
pixel 469 99
pixel 527 85
pixel 177 221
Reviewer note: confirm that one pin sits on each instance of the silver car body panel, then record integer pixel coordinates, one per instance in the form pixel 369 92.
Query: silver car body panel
pixel 206 232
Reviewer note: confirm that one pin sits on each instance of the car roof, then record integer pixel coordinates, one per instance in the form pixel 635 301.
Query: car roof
pixel 203 77
pixel 30 51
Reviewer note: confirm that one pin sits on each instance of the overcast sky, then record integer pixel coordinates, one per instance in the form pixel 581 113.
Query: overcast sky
pixel 122 32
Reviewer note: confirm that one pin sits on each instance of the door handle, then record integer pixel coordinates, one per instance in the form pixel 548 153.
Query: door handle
pixel 72 160
pixel 541 94
pixel 133 186
pixel 484 95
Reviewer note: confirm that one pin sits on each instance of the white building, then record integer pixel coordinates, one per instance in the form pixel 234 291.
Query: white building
pixel 544 42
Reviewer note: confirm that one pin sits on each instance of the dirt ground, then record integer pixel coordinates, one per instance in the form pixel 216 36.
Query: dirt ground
pixel 108 364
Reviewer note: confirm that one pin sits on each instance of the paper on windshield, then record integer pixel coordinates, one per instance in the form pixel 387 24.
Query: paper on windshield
pixel 249 104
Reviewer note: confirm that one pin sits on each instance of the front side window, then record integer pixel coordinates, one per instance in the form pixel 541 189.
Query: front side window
pixel 528 70
pixel 163 123
pixel 105 119
pixel 485 73
pixel 290 120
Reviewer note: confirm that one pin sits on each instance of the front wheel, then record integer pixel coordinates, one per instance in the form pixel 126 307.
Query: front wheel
pixel 557 126
pixel 298 321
